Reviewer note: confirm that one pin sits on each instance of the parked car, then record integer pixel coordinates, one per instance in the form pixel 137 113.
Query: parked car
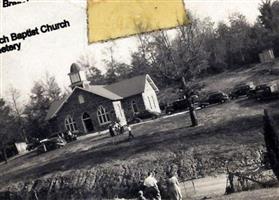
pixel 213 98
pixel 178 105
pixel 140 116
pixel 266 91
pixel 33 144
pixel 50 144
pixel 147 114
pixel 169 109
pixel 181 104
pixel 68 136
pixel 241 90
pixel 134 120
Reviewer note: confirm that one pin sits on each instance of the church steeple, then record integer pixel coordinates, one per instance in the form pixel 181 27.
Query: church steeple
pixel 77 77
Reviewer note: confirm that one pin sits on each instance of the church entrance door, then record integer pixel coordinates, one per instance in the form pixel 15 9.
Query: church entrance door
pixel 87 123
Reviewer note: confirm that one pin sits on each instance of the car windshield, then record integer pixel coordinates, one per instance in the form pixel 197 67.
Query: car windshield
pixel 215 95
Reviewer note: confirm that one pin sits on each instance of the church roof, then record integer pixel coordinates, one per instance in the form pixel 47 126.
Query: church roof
pixel 100 90
pixel 54 107
pixel 115 91
pixel 128 87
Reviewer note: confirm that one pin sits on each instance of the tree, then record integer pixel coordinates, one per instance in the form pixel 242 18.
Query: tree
pixel 43 94
pixel 111 75
pixel 17 111
pixel 94 75
pixel 269 15
pixel 7 133
pixel 269 19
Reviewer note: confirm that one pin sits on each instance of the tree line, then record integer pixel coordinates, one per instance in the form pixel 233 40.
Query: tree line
pixel 197 49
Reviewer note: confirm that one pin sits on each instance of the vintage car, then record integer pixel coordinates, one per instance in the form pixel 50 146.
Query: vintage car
pixel 241 90
pixel 266 91
pixel 181 104
pixel 213 98
pixel 143 115
pixel 50 144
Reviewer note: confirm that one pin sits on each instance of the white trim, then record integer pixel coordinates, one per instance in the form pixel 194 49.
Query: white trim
pixel 150 81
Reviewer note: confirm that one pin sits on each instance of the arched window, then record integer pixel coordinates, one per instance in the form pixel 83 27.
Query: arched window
pixel 103 115
pixel 135 107
pixel 80 99
pixel 70 124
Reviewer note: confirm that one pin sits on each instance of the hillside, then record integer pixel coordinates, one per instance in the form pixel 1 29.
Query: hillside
pixel 98 167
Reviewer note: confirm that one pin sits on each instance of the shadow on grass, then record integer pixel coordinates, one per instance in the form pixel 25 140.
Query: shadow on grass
pixel 239 131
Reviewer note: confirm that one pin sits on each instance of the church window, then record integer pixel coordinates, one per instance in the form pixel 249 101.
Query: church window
pixel 120 110
pixel 70 124
pixel 80 99
pixel 149 102
pixel 103 115
pixel 153 100
pixel 75 78
pixel 135 107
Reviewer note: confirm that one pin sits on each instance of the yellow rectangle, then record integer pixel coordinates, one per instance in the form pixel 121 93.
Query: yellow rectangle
pixel 110 19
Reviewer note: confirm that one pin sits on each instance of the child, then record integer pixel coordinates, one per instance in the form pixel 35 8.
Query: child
pixel 141 197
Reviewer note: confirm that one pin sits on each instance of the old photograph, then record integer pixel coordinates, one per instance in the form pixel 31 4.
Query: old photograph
pixel 139 100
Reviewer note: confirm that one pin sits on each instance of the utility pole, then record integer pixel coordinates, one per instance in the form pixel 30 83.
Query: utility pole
pixel 192 111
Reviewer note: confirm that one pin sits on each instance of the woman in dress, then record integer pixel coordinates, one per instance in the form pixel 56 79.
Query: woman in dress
pixel 173 187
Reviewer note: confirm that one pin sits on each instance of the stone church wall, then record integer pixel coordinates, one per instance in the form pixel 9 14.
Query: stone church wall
pixel 73 108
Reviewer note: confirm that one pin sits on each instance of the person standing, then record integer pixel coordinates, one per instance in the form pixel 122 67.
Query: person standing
pixel 111 130
pixel 130 136
pixel 173 187
pixel 151 188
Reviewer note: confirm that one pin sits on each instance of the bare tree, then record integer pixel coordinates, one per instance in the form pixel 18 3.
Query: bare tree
pixel 17 110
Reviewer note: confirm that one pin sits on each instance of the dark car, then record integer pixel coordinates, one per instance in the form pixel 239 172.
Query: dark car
pixel 134 120
pixel 140 116
pixel 241 90
pixel 68 136
pixel 147 114
pixel 169 109
pixel 213 98
pixel 177 106
pixel 50 144
pixel 266 91
pixel 33 144
pixel 181 104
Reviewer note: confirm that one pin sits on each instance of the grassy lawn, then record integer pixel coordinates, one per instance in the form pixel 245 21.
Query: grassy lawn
pixel 266 194
pixel 224 132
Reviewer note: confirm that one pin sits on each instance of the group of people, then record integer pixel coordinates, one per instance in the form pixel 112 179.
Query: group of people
pixel 151 190
pixel 116 128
